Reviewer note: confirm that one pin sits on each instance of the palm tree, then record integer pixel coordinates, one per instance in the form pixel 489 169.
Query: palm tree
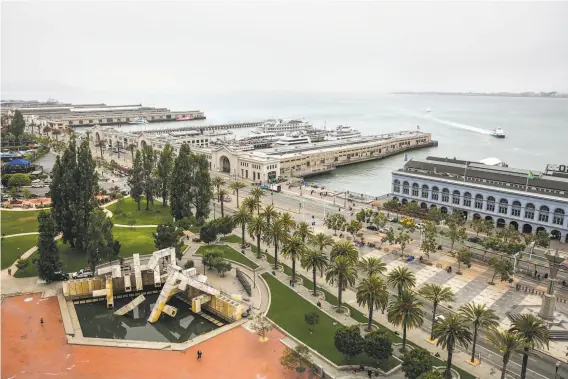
pixel 436 293
pixel 46 130
pixel 314 260
pixel 321 241
pixel 287 220
pixel 222 194
pixel 372 266
pixel 217 182
pixel 269 212
pixel 256 227
pixel 344 249
pixel 277 233
pixel 303 231
pixel 506 342
pixel 533 334
pixel 242 217
pixel 249 203
pixel 100 144
pixel 450 332
pixel 341 271
pixel 257 193
pixel 372 292
pixel 402 279
pixel 479 316
pixel 405 311
pixel 293 249
pixel 132 147
pixel 56 132
pixel 236 186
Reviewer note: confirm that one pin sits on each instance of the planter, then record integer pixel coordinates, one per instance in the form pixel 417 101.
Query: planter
pixel 301 369
pixel 299 280
pixel 364 331
pixel 344 310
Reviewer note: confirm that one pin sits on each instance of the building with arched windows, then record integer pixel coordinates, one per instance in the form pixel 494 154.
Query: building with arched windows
pixel 525 200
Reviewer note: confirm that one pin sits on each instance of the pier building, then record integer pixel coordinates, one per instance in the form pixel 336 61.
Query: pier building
pixel 526 200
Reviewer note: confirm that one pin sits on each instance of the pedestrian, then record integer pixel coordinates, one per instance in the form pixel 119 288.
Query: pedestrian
pixel 41 321
pixel 538 276
pixel 10 271
pixel 370 374
pixel 563 283
pixel 319 303
pixel 198 355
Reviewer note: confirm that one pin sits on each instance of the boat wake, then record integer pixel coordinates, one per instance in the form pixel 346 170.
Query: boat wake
pixel 460 125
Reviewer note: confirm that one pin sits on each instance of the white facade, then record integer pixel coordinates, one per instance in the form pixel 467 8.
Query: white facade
pixel 526 211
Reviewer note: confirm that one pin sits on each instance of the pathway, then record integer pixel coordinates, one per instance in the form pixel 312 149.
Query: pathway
pixel 20 234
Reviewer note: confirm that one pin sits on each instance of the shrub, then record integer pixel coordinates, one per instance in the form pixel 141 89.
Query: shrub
pixel 197 240
pixel 416 362
pixel 378 345
pixel 222 266
pixel 22 263
pixel 210 258
pixel 348 340
pixel 189 264
pixel 244 282
pixel 431 375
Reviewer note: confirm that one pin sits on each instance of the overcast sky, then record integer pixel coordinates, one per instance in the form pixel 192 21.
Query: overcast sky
pixel 290 46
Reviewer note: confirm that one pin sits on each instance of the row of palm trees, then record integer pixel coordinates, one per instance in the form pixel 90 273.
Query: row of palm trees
pixel 341 268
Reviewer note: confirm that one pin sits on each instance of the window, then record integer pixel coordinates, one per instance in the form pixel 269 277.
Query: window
pixel 490 207
pixel 435 193
pixel 516 210
pixel 425 191
pixel 396 186
pixel 415 189
pixel 456 197
pixel 529 211
pixel 558 218
pixel 503 205
pixel 479 201
pixel 467 199
pixel 445 195
pixel 543 213
pixel 405 188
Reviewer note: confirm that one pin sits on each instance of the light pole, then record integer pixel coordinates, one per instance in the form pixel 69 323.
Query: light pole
pixel 272 197
pixel 254 276
pixel 214 208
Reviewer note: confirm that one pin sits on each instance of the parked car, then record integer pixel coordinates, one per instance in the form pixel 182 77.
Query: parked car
pixel 385 230
pixel 372 227
pixel 59 276
pixel 226 198
pixel 83 273
pixel 474 240
pixel 393 219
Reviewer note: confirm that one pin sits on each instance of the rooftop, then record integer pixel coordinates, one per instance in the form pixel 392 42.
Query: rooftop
pixel 488 175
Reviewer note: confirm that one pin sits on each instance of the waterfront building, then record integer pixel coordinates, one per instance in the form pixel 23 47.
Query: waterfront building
pixel 526 200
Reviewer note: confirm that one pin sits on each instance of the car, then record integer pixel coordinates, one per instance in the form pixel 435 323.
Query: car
pixel 226 198
pixel 474 240
pixel 440 318
pixel 393 219
pixel 372 227
pixel 38 185
pixel 83 273
pixel 59 276
pixel 385 230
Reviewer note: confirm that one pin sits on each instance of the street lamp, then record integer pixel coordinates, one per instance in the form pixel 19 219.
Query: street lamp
pixel 254 281
pixel 214 208
pixel 272 197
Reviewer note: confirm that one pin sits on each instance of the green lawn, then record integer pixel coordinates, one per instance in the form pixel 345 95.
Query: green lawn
pixel 232 239
pixel 15 222
pixel 229 253
pixel 9 251
pixel 128 210
pixel 135 240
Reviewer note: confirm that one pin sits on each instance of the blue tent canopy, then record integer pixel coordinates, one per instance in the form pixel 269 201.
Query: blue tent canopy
pixel 18 162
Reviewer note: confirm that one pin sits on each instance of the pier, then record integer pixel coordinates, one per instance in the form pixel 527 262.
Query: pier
pixel 200 128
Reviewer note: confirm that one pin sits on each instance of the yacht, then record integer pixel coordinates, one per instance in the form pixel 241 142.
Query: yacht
pixel 280 126
pixel 498 133
pixel 292 140
pixel 342 132
pixel 138 120
pixel 185 117
pixel 217 133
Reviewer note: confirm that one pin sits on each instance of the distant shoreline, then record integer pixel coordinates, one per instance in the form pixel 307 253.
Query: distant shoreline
pixel 546 95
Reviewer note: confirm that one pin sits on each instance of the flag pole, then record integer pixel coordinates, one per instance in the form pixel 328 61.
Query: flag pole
pixel 465 171
pixel 527 184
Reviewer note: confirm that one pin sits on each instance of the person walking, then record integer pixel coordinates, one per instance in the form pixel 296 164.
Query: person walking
pixel 10 271
pixel 41 321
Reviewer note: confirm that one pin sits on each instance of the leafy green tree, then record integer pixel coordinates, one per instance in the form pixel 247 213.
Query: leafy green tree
pixel 236 186
pixel 48 262
pixel 257 227
pixel 164 172
pixel 542 239
pixel 428 245
pixel 345 249
pixel 210 258
pixel 372 293
pixel 202 186
pixel 450 333
pixel 431 375
pixel 372 266
pixel 298 359
pixel 311 318
pixel 502 267
pixel 86 187
pixel 436 215
pixel 314 260
pixel 348 341
pixel 149 180
pixel 224 225
pixel 19 180
pixel 402 279
pixel 478 226
pixel 456 232
pixel 378 345
pixel 479 317
pixel 412 208
pixel 416 362
pixel 402 240
pixel 353 227
pixel 100 242
pixel 392 206
pixel 208 232
pixel 436 294
pixel 241 218
pixel 18 124
pixel 341 271
pixel 335 222
pixel 222 266
pixel 506 342
pixel 380 220
pixel 463 256
pixel 182 182
pixel 167 235
pixel 533 333
pixel 406 311
pixel 135 179
pixel 293 249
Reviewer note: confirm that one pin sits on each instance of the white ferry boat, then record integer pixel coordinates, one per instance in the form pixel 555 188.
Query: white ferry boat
pixel 342 132
pixel 280 126
pixel 138 121
pixel 498 133
pixel 217 133
pixel 292 140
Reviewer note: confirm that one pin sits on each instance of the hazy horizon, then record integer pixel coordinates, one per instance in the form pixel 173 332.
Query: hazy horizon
pixel 315 47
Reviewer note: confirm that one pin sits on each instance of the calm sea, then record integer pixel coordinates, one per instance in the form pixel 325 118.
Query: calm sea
pixel 536 129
